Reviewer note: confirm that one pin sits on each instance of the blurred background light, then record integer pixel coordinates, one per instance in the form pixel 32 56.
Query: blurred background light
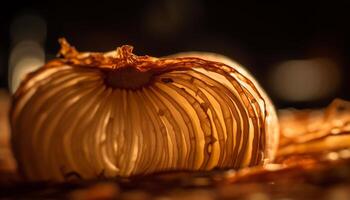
pixel 256 34
pixel 168 18
pixel 28 26
pixel 25 57
pixel 28 34
pixel 305 80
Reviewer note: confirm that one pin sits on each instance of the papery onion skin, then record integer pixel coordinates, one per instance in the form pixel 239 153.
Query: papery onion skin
pixel 91 115
pixel 319 134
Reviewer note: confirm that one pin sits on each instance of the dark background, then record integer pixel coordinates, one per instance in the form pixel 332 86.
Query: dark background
pixel 260 36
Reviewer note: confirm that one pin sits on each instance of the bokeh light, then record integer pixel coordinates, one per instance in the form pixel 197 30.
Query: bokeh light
pixel 305 80
pixel 28 33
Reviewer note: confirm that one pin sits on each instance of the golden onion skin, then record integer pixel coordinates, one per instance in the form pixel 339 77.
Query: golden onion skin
pixel 92 115
pixel 322 134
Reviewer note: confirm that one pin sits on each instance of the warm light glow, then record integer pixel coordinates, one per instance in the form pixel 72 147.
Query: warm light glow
pixel 28 33
pixel 25 57
pixel 333 156
pixel 305 80
pixel 7 162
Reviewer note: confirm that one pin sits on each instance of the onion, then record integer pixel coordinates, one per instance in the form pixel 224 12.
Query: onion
pixel 115 114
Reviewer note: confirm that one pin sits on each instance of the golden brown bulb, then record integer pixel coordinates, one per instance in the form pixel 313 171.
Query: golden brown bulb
pixel 118 114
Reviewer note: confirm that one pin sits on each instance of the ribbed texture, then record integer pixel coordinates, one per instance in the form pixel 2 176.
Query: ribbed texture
pixel 67 121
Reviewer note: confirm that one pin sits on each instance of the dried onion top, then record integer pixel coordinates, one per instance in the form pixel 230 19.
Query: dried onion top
pixel 117 114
